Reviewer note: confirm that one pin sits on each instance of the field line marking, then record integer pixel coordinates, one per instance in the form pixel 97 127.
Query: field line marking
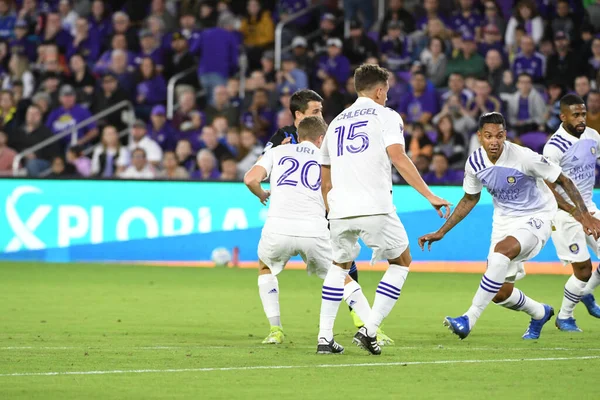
pixel 358 365
pixel 259 347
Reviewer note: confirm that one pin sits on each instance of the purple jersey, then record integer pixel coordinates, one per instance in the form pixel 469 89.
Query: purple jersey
pixel 414 106
pixel 61 120
pixel 534 65
pixel 465 25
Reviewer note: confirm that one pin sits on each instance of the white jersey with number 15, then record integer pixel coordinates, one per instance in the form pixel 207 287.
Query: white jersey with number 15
pixel 361 171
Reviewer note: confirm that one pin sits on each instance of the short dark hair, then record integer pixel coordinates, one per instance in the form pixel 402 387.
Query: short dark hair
pixel 299 100
pixel 368 75
pixel 570 100
pixel 525 74
pixel 441 154
pixel 494 118
pixel 311 128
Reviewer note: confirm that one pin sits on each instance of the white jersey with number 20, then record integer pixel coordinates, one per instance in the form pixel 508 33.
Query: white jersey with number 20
pixel 361 171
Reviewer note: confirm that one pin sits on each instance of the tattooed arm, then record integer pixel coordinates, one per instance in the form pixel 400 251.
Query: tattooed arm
pixel 463 208
pixel 562 203
pixel 591 226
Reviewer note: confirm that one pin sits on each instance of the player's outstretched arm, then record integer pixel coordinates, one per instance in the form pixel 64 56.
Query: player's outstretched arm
pixel 326 183
pixel 253 178
pixel 591 225
pixel 463 208
pixel 411 175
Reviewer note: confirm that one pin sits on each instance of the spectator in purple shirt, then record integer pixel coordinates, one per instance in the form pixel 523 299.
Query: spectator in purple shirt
pixel 151 88
pixel 85 42
pixel 7 20
pixel 432 11
pixel 207 166
pixel 395 48
pixel 420 104
pixel 526 107
pixel 467 20
pixel 530 62
pixel 188 120
pixel 492 39
pixel 70 114
pixel 440 174
pixel 211 141
pixel 118 42
pixel 149 48
pixel 334 64
pixel 120 68
pixel 161 131
pixel 457 87
pixel 259 116
pixel 23 43
pixel 99 19
pixel 55 34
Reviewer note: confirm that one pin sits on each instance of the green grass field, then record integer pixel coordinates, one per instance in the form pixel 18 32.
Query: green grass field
pixel 132 332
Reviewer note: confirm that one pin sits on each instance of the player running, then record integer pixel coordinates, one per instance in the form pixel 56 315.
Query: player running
pixel 575 148
pixel 295 177
pixel 359 149
pixel 522 224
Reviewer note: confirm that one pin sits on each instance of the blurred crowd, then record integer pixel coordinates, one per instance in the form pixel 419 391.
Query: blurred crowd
pixel 61 62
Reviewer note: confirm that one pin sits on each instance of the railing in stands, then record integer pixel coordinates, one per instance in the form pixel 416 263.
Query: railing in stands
pixel 125 104
pixel 171 89
pixel 279 32
pixel 243 63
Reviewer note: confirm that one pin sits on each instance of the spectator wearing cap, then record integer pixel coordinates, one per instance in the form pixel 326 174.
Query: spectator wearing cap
pixel 290 74
pixel 55 34
pixel 121 25
pixel 260 117
pixel 207 167
pixel 22 43
pixel 160 130
pixel 141 140
pixel 81 79
pixel 85 42
pixel 118 42
pixel 561 66
pixel 492 39
pixel 179 59
pixel 108 95
pixel 31 133
pixel 529 61
pixel 328 30
pixel 7 155
pixel 18 70
pixel 526 15
pixel 140 168
pixel 7 20
pixel 70 114
pixel 493 16
pixel 149 48
pixel 99 19
pixel 300 53
pixel 432 11
pixel 334 64
pixel 150 90
pixel 419 104
pixel 358 47
pixel 170 167
pixel 526 107
pixel 258 31
pixel 564 20
pixel 468 62
pixel 267 62
pixel 397 13
pixel 434 60
pixel 440 173
pixel 218 51
pixel 222 106
pixel 467 19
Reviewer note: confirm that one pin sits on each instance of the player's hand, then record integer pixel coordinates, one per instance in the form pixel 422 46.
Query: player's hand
pixel 591 226
pixel 287 140
pixel 438 203
pixel 429 238
pixel 264 197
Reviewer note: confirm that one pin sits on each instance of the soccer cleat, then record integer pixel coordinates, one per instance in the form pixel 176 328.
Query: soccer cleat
pixel 459 326
pixel 276 336
pixel 567 325
pixel 329 347
pixel 536 325
pixel 383 339
pixel 590 303
pixel 366 342
pixel 356 319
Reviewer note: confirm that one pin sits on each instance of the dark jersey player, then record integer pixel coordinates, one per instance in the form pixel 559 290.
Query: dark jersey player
pixel 305 103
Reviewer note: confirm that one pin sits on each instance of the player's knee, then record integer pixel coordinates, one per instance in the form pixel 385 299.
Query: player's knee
pixel 263 269
pixel 404 260
pixel 508 248
pixel 583 270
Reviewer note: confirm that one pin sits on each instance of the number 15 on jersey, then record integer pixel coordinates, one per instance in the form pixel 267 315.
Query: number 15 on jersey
pixel 355 133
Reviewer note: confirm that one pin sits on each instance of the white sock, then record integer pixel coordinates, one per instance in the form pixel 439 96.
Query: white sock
pixel 572 294
pixel 518 301
pixel 593 282
pixel 268 288
pixel 331 297
pixel 354 296
pixel 490 284
pixel 386 295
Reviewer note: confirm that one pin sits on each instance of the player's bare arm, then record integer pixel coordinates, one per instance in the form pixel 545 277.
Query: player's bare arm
pixel 562 203
pixel 411 175
pixel 253 178
pixel 591 225
pixel 463 208
pixel 326 183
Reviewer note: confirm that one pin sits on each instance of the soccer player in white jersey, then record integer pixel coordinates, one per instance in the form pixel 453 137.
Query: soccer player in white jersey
pixel 575 148
pixel 522 224
pixel 358 151
pixel 295 177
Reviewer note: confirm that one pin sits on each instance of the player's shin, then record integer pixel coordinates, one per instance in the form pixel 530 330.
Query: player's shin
pixel 518 301
pixel 593 283
pixel 354 296
pixel 490 284
pixel 386 295
pixel 331 297
pixel 268 288
pixel 572 294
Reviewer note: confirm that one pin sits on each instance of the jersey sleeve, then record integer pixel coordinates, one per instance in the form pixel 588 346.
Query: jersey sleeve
pixel 393 128
pixel 597 137
pixel 275 140
pixel 266 161
pixel 324 158
pixel 471 183
pixel 553 153
pixel 539 166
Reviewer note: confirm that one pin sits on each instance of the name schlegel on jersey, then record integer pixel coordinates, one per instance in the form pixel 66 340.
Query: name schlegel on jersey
pixel 356 113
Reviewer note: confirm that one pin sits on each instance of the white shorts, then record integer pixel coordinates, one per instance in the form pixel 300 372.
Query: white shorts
pixel 570 240
pixel 383 233
pixel 275 250
pixel 532 234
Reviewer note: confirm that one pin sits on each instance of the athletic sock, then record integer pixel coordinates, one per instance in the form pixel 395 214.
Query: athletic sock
pixel 354 296
pixel 593 282
pixel 386 295
pixel 331 297
pixel 518 301
pixel 572 294
pixel 268 288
